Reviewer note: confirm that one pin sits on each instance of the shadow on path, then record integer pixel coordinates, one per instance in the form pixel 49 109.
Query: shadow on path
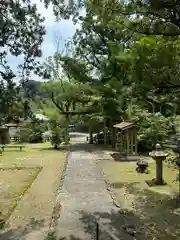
pixel 123 224
pixel 118 158
pixel 76 147
pixel 84 146
pixel 114 222
pixel 22 232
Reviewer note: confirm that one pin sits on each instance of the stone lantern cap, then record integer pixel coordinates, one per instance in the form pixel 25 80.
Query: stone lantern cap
pixel 158 152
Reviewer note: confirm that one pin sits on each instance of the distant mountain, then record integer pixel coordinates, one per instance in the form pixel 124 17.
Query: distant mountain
pixel 32 87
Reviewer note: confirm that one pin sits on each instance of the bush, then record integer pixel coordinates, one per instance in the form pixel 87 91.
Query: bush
pixel 56 138
pixel 32 132
pixel 171 158
pixel 56 133
pixel 154 128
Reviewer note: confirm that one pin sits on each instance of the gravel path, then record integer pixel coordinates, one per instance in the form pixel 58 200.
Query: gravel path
pixel 83 197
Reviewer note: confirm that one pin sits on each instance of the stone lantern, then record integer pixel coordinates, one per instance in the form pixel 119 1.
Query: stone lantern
pixel 159 156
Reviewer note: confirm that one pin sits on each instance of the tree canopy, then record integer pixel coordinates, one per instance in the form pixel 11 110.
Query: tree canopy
pixel 21 34
pixel 124 56
pixel 126 63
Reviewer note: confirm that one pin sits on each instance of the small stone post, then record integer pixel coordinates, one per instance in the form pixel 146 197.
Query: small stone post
pixel 159 156
pixel 159 172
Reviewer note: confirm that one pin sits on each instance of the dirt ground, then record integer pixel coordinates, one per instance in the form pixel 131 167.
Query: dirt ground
pixel 152 212
pixel 29 189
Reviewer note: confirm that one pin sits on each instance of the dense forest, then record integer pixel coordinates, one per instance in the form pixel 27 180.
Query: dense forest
pixel 122 64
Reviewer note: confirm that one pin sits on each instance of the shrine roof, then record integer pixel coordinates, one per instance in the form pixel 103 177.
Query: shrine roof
pixel 125 125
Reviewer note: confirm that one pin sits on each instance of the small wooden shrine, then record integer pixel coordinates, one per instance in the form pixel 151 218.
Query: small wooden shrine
pixel 126 138
pixel 5 132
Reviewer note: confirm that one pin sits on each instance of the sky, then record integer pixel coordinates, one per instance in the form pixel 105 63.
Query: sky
pixel 62 30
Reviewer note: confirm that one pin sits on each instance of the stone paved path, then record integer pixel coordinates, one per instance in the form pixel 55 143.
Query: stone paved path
pixel 83 197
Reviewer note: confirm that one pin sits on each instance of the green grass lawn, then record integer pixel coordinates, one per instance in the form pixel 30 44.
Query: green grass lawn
pixel 10 154
pixel 19 169
pixel 31 145
pixel 13 184
pixel 153 210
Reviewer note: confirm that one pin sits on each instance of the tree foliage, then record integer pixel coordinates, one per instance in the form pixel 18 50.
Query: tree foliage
pixel 21 35
pixel 57 133
pixel 127 64
pixel 13 106
pixel 160 17
pixel 32 131
pixel 154 126
pixel 125 54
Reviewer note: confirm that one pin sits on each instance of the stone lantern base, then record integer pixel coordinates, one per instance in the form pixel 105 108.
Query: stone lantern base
pixel 153 182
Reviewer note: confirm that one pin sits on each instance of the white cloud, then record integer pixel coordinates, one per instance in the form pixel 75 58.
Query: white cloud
pixel 62 30
pixel 47 13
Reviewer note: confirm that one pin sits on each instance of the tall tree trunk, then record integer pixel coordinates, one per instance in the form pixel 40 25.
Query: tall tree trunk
pixel 113 134
pixel 105 133
pixel 26 110
pixel 130 110
pixel 66 136
pixel 90 135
